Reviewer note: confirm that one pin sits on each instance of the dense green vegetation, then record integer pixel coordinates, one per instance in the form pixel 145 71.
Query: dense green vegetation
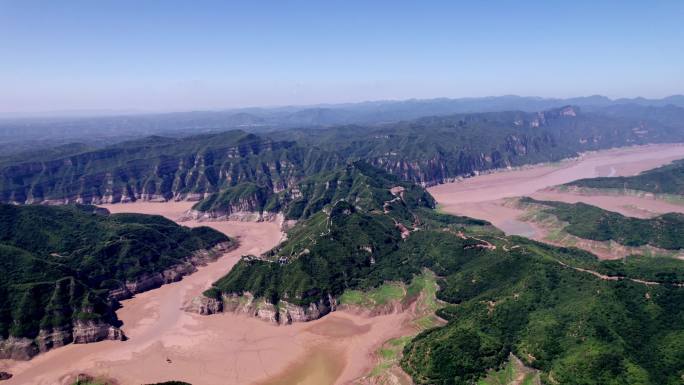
pixel 507 295
pixel 365 237
pixel 362 185
pixel 576 328
pixel 436 148
pixel 159 167
pixel 246 196
pixel 668 179
pixel 591 222
pixel 332 263
pixel 426 150
pixel 59 263
pixel 513 372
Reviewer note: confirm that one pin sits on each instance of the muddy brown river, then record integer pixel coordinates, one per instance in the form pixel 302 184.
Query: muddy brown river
pixel 166 343
pixel 483 196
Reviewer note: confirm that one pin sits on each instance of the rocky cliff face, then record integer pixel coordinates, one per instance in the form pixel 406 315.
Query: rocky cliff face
pixel 427 151
pixel 230 215
pixel 282 313
pixel 82 331
pixel 161 169
pixel 93 329
pixel 176 273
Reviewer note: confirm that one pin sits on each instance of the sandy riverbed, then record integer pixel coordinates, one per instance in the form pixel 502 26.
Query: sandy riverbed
pixel 166 343
pixel 484 196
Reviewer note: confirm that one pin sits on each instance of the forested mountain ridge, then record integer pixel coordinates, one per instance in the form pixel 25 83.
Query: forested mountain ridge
pixel 158 168
pixel 65 268
pixel 335 247
pixel 358 183
pixel 553 307
pixel 434 150
pixel 426 151
pixel 664 231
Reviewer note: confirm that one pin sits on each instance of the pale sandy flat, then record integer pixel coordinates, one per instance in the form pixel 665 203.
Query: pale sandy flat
pixel 528 180
pixel 166 343
pixel 484 196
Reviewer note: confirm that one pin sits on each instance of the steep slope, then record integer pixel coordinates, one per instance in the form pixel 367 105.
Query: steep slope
pixel 576 319
pixel 591 222
pixel 64 268
pixel 97 129
pixel 159 168
pixel 358 183
pixel 575 327
pixel 437 149
pixel 426 151
pixel 338 248
pixel 667 179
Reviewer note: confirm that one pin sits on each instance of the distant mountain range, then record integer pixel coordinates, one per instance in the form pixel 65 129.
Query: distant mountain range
pixel 121 126
pixel 427 151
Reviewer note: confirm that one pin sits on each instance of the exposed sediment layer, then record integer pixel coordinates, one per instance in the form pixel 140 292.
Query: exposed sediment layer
pixel 86 331
pixel 81 332
pixel 282 313
pixel 173 274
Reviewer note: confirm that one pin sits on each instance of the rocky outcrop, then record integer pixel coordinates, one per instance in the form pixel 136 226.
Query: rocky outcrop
pixel 204 305
pixel 230 215
pixel 173 274
pixel 85 330
pixel 82 331
pixel 17 348
pixel 289 313
pixel 48 339
pixel 92 331
pixel 282 313
pixel 161 169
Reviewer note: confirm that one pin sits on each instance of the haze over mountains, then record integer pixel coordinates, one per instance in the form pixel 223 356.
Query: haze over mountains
pixel 347 182
pixel 99 128
pixel 427 150
pixel 337 193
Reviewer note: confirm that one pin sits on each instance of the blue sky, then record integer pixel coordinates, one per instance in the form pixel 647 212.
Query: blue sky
pixel 181 55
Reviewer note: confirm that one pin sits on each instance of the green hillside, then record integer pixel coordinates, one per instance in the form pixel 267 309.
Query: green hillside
pixel 161 168
pixel 571 325
pixel 427 151
pixel 435 149
pixel 60 263
pixel 667 179
pixel 591 222
pixel 358 183
pixel 506 295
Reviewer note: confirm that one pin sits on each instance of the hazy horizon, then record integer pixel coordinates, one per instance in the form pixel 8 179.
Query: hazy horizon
pixel 69 113
pixel 175 56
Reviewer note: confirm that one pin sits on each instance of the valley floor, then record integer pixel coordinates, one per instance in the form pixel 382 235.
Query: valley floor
pixel 167 343
pixel 487 196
